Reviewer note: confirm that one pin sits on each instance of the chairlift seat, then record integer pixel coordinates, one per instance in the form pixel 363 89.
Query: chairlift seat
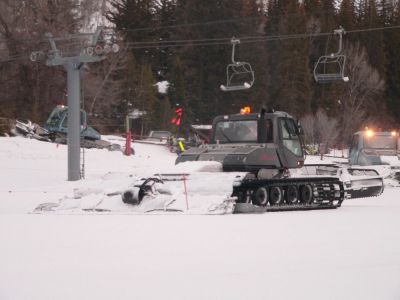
pixel 239 76
pixel 232 88
pixel 330 68
pixel 327 78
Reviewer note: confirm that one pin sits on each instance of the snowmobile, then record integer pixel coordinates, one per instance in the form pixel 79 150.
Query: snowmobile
pixel 377 150
pixel 268 148
pixel 29 129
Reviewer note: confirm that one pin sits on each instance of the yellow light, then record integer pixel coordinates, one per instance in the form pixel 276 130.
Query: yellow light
pixel 245 110
pixel 393 133
pixel 369 133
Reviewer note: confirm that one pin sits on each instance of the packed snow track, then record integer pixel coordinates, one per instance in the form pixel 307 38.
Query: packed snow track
pixel 79 254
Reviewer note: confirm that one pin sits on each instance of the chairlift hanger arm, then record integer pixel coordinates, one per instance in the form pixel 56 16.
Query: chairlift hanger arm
pixel 339 32
pixel 234 42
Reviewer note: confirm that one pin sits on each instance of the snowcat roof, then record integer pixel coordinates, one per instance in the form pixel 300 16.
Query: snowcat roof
pixel 253 116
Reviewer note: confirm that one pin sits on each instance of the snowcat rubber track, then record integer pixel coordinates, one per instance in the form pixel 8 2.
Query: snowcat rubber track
pixel 327 193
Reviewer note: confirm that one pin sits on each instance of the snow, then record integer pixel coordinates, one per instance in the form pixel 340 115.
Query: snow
pixel 162 86
pixel 202 127
pixel 349 253
pixel 393 161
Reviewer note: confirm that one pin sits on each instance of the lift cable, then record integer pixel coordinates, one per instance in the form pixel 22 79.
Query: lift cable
pixel 244 39
pixel 222 41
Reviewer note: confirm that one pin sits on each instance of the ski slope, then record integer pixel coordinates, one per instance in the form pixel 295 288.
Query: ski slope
pixel 349 253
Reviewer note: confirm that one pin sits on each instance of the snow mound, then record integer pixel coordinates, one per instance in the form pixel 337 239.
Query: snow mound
pixel 193 188
pixel 198 166
pixel 162 86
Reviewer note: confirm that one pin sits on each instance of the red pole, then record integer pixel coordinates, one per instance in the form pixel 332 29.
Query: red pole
pixel 128 148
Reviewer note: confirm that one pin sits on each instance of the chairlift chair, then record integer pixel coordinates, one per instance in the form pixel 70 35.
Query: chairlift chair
pixel 330 68
pixel 239 75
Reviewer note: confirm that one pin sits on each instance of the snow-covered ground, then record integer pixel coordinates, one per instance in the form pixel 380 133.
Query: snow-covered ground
pixel 349 253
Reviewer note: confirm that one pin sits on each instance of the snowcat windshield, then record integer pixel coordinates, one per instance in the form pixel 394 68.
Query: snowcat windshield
pixel 381 142
pixel 236 131
pixel 59 118
pixel 55 117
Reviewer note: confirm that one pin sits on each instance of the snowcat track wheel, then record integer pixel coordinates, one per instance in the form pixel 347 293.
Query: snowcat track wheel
pixel 241 197
pixel 247 196
pixel 261 197
pixel 306 194
pixel 244 196
pixel 292 194
pixel 276 195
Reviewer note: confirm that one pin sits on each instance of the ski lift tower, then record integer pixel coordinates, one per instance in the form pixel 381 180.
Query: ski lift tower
pixel 73 52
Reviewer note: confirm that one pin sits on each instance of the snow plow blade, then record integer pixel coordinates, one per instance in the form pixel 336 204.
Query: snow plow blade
pixel 363 183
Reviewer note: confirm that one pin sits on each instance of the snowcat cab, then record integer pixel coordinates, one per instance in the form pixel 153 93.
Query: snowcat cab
pixel 368 147
pixel 377 150
pixel 239 75
pixel 57 127
pixel 57 123
pixel 251 142
pixel 330 68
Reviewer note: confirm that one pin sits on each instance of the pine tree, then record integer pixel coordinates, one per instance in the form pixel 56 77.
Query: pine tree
pixel 144 21
pixel 27 89
pixel 392 42
pixel 146 100
pixel 274 50
pixel 289 84
pixel 204 67
pixel 328 16
pixel 347 15
pixel 164 24
pixel 373 41
pixel 135 19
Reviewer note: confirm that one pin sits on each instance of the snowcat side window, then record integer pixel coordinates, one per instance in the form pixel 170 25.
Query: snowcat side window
pixel 380 142
pixel 54 119
pixel 289 136
pixel 83 121
pixel 53 122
